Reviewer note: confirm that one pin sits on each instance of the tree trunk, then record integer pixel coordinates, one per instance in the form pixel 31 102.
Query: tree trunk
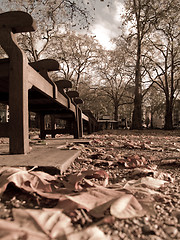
pixel 116 112
pixel 137 113
pixel 169 99
pixel 152 123
pixel 116 107
pixel 168 116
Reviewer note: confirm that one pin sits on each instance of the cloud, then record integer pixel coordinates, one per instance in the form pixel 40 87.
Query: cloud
pixel 103 35
pixel 107 21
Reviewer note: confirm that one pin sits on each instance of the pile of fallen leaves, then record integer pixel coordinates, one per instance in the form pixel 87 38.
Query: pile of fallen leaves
pixel 92 193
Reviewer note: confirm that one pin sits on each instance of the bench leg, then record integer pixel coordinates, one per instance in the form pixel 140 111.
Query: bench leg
pixel 90 127
pixel 76 125
pixel 18 107
pixel 53 126
pixel 80 122
pixel 76 129
pixel 18 94
pixel 42 126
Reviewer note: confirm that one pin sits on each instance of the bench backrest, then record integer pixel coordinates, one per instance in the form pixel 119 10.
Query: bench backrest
pixel 17 21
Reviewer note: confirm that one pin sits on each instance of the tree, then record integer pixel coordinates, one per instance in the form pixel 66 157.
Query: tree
pixel 95 100
pixel 163 60
pixel 75 53
pixel 141 15
pixel 154 103
pixel 113 80
pixel 50 17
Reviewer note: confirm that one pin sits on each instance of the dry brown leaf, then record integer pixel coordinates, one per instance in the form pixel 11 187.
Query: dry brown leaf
pixel 68 206
pixel 145 146
pixel 45 184
pixel 37 225
pixel 142 172
pixel 135 161
pixel 91 200
pixel 32 181
pixel 100 162
pixel 75 181
pixel 11 230
pixel 90 233
pixel 94 196
pixel 99 211
pixel 54 224
pixel 148 182
pixel 132 145
pixel 127 206
pixel 170 161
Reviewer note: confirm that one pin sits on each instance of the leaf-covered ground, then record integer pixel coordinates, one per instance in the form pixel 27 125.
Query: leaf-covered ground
pixel 125 185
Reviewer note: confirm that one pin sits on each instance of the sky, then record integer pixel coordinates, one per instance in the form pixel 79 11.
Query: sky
pixel 107 21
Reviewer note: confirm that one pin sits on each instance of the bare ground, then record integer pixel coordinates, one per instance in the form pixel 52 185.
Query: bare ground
pixel 119 153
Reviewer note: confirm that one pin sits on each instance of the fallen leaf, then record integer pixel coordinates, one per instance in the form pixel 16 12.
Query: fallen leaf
pixel 36 224
pixel 100 162
pixel 150 182
pixel 75 181
pixel 68 206
pixel 89 199
pixel 135 161
pixel 170 162
pixel 127 206
pixel 54 224
pixel 100 210
pixel 31 181
pixel 90 233
pixel 143 172
pixel 24 179
pixel 11 230
pixel 145 146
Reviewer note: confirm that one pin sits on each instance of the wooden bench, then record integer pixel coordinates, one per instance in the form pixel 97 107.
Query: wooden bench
pixel 43 67
pixel 25 86
pixel 73 98
pixel 91 125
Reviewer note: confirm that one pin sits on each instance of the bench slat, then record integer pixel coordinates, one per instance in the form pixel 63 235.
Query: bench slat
pixel 42 85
